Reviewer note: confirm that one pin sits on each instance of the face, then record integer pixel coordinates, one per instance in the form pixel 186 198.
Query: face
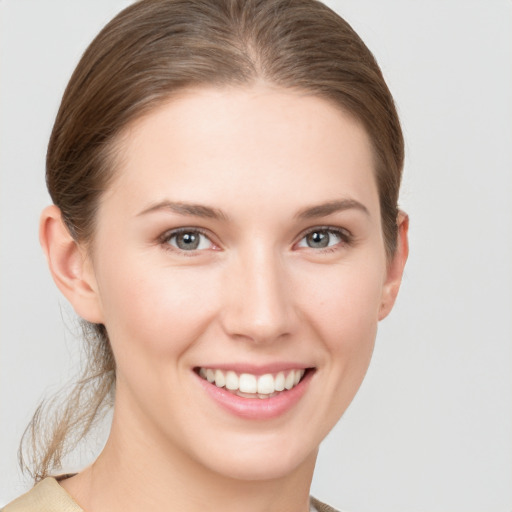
pixel 239 267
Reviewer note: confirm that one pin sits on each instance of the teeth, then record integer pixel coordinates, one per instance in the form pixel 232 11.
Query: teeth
pixel 220 380
pixel 248 383
pixel 279 381
pixel 231 381
pixel 288 382
pixel 266 384
pixel 268 396
pixel 251 386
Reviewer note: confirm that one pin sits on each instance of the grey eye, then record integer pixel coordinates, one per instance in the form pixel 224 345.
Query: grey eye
pixel 321 238
pixel 189 241
pixel 318 239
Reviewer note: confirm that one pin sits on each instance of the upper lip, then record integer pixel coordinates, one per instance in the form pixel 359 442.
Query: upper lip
pixel 256 369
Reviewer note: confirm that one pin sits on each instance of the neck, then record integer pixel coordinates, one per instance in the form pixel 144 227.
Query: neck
pixel 136 472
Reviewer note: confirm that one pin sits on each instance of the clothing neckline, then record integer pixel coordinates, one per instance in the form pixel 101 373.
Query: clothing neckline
pixel 48 495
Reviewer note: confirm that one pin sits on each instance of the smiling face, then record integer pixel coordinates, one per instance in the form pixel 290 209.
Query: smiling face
pixel 238 250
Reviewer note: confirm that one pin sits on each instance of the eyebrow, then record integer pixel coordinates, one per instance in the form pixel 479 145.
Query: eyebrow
pixel 325 209
pixel 197 210
pixel 200 210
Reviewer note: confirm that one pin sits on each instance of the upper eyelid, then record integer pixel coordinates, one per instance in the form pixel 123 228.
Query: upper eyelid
pixel 335 229
pixel 176 231
pixel 167 235
pixel 164 238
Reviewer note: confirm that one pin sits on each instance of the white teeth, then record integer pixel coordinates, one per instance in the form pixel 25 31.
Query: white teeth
pixel 231 380
pixel 245 395
pixel 248 383
pixel 252 386
pixel 290 380
pixel 279 381
pixel 220 380
pixel 267 396
pixel 266 384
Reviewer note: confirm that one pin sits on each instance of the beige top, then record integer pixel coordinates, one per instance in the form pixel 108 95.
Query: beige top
pixel 49 496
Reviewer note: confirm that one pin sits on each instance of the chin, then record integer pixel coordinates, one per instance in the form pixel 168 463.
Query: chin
pixel 258 460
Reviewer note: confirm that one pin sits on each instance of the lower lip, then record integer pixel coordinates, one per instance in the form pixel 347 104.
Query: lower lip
pixel 257 408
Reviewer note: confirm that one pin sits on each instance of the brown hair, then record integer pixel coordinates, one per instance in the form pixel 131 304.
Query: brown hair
pixel 155 48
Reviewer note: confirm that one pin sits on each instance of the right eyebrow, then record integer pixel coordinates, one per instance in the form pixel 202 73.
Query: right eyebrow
pixel 194 209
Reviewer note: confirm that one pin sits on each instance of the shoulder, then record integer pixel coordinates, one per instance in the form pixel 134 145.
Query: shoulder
pixel 318 506
pixel 46 496
pixel 49 496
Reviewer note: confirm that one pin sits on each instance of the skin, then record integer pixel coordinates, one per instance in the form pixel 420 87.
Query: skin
pixel 254 292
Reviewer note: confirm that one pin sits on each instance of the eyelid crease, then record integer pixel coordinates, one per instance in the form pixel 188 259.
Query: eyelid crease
pixel 343 232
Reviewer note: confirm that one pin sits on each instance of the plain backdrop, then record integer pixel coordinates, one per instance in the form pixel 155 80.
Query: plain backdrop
pixel 431 428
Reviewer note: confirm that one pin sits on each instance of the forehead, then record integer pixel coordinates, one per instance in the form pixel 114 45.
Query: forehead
pixel 215 143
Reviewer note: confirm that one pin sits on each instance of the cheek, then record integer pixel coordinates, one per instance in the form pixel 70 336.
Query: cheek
pixel 349 335
pixel 155 312
pixel 342 314
pixel 343 303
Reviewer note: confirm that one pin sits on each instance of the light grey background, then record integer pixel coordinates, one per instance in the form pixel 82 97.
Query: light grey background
pixel 431 429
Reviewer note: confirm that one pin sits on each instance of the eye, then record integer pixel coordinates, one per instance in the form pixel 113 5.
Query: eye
pixel 323 238
pixel 187 239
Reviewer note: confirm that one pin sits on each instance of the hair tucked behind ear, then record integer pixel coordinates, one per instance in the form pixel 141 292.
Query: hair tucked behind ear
pixel 152 50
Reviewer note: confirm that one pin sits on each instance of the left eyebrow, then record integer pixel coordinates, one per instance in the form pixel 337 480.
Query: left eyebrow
pixel 325 209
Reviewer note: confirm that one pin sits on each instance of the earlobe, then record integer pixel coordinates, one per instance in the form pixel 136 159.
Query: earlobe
pixel 69 265
pixel 395 267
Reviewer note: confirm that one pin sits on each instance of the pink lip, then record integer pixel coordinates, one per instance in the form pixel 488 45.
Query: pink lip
pixel 257 408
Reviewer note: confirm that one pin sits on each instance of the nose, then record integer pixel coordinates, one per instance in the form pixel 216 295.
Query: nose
pixel 259 305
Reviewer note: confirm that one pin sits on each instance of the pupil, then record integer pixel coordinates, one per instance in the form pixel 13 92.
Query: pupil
pixel 318 239
pixel 187 241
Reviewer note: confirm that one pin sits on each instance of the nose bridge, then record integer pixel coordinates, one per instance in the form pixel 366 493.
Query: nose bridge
pixel 259 306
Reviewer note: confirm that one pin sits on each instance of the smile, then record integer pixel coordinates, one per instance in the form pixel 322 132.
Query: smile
pixel 247 385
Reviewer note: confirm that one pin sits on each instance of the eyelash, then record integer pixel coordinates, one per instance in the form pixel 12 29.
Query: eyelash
pixel 346 239
pixel 165 239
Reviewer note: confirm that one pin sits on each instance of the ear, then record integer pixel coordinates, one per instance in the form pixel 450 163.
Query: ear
pixel 69 265
pixel 395 267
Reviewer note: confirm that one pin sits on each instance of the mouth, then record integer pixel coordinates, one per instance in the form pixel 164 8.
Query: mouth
pixel 255 393
pixel 248 385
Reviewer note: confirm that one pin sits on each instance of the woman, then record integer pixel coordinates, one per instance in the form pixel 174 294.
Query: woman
pixel 225 178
